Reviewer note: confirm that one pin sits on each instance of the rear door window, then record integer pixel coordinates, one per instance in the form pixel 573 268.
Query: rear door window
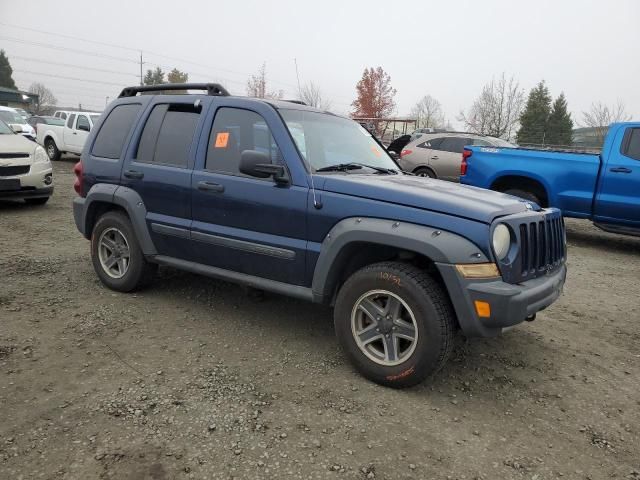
pixel 168 135
pixel 114 131
pixel 631 143
pixel 455 144
pixel 433 144
pixel 72 117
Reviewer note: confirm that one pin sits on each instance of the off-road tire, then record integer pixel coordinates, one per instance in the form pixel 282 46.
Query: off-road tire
pixel 139 273
pixel 433 312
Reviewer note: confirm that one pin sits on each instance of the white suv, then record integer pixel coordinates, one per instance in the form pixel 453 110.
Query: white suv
pixel 25 169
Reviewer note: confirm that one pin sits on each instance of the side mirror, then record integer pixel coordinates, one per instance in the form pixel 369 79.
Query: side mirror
pixel 16 128
pixel 258 164
pixel 84 128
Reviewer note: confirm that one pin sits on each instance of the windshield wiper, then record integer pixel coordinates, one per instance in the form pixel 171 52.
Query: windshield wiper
pixel 343 167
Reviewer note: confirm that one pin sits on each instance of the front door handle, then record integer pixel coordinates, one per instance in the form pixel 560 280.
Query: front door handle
pixel 134 174
pixel 620 170
pixel 210 187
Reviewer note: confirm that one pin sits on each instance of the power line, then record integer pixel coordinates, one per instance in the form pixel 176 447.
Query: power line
pixel 67 49
pixel 72 66
pixel 71 37
pixel 70 78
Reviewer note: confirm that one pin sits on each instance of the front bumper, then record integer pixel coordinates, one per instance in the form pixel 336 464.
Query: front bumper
pixel 38 182
pixel 510 303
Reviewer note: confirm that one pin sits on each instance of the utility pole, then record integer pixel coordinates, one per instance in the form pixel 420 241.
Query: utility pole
pixel 297 75
pixel 140 67
pixel 106 101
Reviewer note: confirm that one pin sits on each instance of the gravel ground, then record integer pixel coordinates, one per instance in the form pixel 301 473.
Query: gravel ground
pixel 193 378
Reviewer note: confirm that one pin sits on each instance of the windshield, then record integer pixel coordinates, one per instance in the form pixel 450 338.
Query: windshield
pixel 325 140
pixel 4 128
pixel 11 117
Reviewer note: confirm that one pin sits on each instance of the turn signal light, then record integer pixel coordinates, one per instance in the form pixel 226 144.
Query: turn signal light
pixel 483 309
pixel 478 270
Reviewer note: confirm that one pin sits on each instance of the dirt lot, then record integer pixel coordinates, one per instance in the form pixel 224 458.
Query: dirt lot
pixel 192 378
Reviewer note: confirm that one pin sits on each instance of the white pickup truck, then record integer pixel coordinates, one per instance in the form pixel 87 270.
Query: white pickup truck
pixel 70 137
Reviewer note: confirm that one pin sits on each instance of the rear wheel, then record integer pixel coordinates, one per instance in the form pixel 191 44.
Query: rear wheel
pixel 52 150
pixel 424 172
pixel 395 323
pixel 36 201
pixel 116 254
pixel 516 192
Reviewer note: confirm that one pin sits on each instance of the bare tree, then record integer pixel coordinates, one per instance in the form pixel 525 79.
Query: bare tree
pixel 600 116
pixel 46 100
pixel 311 94
pixel 428 113
pixel 496 111
pixel 257 85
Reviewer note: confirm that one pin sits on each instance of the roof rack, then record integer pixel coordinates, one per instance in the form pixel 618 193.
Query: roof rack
pixel 213 89
pixel 299 102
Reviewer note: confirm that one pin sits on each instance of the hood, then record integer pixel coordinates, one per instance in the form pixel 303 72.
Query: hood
pixel 429 194
pixel 15 144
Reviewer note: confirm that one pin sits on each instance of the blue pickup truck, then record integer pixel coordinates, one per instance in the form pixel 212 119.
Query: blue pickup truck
pixel 282 197
pixel 604 188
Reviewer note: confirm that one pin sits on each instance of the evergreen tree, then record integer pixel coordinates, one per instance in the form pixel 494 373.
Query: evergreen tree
pixel 560 125
pixel 534 118
pixel 5 72
pixel 154 77
pixel 176 76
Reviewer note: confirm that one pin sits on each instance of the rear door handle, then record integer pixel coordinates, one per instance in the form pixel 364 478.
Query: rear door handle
pixel 620 170
pixel 133 174
pixel 210 187
pixel 435 157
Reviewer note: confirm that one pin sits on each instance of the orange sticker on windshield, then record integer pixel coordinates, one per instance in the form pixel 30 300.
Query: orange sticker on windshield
pixel 222 139
pixel 375 151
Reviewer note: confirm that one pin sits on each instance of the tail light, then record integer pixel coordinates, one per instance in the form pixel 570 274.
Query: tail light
pixel 463 166
pixel 405 152
pixel 77 184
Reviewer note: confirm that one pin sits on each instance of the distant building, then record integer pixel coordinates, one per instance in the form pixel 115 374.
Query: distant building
pixel 17 99
pixel 586 137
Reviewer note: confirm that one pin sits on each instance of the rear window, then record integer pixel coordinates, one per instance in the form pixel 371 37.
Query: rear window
pixel 114 131
pixel 455 144
pixel 168 135
pixel 53 121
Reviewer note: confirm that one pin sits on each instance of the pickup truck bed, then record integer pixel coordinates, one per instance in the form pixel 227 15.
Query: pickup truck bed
pixel 604 188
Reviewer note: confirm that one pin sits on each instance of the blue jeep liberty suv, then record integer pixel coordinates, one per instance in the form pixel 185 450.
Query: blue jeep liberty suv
pixel 289 199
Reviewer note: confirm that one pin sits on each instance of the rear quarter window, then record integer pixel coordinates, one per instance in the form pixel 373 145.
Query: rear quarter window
pixel 631 143
pixel 115 129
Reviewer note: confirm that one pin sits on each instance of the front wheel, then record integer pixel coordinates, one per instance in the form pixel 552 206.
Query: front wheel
pixel 395 323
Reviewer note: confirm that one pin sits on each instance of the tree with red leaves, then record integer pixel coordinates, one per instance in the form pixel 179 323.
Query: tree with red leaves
pixel 375 94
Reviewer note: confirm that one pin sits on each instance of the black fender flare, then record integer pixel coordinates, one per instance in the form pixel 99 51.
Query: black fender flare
pixel 123 197
pixel 436 244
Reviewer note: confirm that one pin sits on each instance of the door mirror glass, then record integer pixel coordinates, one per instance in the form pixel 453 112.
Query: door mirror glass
pixel 258 164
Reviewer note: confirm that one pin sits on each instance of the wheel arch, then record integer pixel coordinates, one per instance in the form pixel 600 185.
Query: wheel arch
pixel 356 242
pixel 102 198
pixel 522 182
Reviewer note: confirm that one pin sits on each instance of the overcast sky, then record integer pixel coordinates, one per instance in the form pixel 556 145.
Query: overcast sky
pixel 447 49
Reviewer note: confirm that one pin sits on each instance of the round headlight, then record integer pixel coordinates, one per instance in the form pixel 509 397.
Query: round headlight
pixel 501 241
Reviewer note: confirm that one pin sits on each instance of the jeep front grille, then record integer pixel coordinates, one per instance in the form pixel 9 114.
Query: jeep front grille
pixel 541 245
pixel 12 170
